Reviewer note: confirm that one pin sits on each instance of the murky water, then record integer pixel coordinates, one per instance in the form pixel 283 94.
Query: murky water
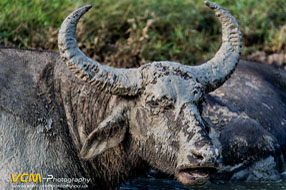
pixel 160 184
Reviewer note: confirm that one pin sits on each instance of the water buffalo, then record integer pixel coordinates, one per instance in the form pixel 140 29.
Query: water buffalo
pixel 71 117
pixel 247 116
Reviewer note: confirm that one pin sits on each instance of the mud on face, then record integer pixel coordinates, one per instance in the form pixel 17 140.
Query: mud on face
pixel 166 120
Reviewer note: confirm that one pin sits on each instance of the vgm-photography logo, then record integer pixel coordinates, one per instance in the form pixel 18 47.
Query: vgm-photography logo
pixel 28 180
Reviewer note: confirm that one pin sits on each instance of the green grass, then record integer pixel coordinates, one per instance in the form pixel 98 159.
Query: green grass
pixel 133 32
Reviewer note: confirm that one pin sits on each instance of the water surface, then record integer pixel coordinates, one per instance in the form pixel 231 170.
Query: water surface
pixel 160 184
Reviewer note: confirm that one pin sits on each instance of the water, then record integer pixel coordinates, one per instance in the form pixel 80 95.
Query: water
pixel 165 184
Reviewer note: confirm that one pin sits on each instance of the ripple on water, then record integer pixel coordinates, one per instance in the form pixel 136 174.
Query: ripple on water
pixel 162 184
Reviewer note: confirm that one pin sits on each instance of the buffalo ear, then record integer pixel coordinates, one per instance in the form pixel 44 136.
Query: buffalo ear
pixel 98 142
pixel 110 133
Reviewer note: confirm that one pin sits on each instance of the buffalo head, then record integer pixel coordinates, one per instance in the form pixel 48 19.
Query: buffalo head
pixel 159 107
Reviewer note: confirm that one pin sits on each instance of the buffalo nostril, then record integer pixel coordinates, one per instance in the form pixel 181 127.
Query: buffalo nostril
pixel 197 155
pixel 195 159
pixel 200 157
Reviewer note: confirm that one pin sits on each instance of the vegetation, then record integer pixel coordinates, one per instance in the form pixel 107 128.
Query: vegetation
pixel 133 32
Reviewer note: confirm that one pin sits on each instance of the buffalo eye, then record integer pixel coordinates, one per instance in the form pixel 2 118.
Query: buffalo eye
pixel 166 101
pixel 153 104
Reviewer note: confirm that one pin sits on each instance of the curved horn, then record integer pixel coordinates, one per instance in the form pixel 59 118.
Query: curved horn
pixel 116 81
pixel 216 71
